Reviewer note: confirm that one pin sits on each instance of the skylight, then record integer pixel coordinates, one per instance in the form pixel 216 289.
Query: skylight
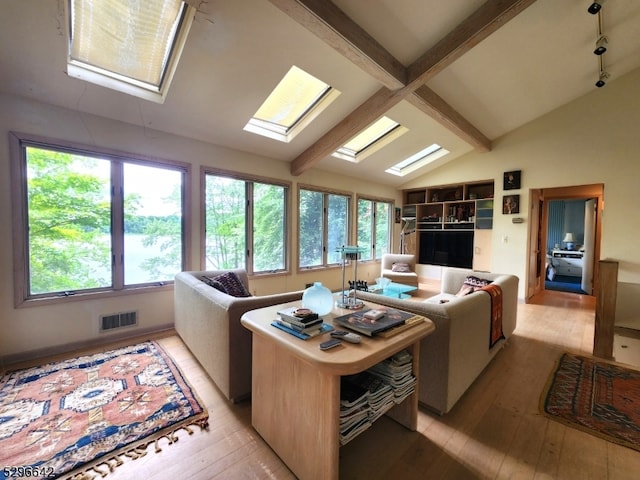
pixel 418 160
pixel 370 140
pixel 132 47
pixel 296 100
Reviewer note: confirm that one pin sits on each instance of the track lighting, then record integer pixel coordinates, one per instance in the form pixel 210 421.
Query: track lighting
pixel 595 7
pixel 601 45
pixel 602 79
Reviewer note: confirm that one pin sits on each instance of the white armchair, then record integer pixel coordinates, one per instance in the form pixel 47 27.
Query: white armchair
pixel 399 268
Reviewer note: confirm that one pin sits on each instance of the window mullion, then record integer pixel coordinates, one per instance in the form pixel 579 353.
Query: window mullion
pixel 249 227
pixel 117 225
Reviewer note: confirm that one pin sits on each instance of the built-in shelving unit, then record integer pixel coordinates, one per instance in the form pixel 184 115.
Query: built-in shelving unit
pixel 465 207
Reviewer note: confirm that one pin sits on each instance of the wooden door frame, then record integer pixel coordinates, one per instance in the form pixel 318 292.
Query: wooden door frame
pixel 581 192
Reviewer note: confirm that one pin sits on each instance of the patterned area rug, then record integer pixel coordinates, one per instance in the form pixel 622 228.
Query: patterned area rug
pixel 597 397
pixel 81 416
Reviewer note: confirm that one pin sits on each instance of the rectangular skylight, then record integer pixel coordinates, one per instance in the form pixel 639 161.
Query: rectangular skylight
pixel 132 47
pixel 418 160
pixel 370 140
pixel 296 100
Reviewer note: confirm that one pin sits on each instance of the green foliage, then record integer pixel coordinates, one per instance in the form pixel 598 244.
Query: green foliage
pixel 69 213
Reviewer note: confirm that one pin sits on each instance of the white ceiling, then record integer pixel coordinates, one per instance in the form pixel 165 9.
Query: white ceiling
pixel 238 50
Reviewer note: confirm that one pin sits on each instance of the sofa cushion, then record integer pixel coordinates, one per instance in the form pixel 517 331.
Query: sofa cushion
pixel 472 284
pixel 228 283
pixel 400 267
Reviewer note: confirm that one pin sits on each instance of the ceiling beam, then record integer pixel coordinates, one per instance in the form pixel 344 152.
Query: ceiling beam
pixel 476 27
pixel 372 109
pixel 429 102
pixel 328 22
pixel 335 28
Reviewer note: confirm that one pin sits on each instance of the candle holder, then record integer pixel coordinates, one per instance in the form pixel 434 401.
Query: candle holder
pixel 346 300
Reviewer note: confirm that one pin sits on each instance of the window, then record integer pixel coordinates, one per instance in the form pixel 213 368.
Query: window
pixel 94 221
pixel 132 47
pixel 370 140
pixel 323 227
pixel 418 160
pixel 374 228
pixel 291 106
pixel 245 223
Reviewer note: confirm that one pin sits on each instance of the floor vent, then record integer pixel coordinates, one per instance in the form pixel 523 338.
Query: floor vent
pixel 118 320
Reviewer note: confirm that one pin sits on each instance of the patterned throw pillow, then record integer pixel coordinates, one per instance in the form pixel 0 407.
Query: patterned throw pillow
pixel 400 267
pixel 472 284
pixel 228 283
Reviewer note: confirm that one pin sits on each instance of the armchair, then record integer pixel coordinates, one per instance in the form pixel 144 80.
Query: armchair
pixel 395 274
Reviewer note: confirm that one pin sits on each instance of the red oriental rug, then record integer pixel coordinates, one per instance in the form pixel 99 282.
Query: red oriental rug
pixel 598 397
pixel 79 417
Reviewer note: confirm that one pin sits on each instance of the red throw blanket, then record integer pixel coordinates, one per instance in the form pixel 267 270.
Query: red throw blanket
pixel 496 333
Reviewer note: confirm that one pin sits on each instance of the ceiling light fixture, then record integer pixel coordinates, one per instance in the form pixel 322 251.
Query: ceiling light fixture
pixel 595 7
pixel 603 77
pixel 601 45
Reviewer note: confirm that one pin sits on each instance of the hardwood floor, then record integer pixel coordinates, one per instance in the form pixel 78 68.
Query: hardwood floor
pixel 494 432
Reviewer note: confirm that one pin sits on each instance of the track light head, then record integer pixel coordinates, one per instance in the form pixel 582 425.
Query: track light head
pixel 595 7
pixel 601 45
pixel 604 76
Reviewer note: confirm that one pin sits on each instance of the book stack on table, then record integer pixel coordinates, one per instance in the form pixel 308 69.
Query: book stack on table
pixel 301 322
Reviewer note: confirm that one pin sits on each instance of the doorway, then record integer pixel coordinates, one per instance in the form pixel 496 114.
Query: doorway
pixel 552 251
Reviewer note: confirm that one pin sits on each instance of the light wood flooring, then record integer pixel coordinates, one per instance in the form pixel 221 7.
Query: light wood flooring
pixel 494 432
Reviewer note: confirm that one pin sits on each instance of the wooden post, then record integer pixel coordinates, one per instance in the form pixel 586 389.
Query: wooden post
pixel 605 309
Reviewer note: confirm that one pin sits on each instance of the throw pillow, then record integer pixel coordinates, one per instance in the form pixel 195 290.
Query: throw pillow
pixel 400 267
pixel 232 285
pixel 212 282
pixel 471 284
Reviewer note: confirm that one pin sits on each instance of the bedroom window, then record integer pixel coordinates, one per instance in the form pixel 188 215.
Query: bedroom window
pixel 374 227
pixel 323 227
pixel 94 221
pixel 246 222
pixel 132 47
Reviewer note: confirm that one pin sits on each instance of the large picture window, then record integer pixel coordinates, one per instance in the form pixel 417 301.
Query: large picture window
pixel 245 223
pixel 374 227
pixel 87 220
pixel 323 227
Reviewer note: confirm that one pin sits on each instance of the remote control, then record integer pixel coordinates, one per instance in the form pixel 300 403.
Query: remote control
pixel 346 336
pixel 334 342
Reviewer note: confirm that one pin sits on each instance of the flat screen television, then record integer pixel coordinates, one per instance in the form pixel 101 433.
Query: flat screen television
pixel 449 248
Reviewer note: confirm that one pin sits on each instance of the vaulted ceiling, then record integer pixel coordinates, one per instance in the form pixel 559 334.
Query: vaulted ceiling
pixel 459 73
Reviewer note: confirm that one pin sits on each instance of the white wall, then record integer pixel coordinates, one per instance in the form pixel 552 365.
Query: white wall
pixel 36 328
pixel 594 139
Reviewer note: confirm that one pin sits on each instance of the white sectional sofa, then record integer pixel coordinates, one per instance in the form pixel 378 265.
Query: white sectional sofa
pixel 455 354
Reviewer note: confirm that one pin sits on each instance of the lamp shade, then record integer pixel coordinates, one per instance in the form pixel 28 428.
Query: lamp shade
pixel 568 237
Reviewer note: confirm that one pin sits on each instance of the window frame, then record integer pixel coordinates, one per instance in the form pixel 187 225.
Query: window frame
pixel 325 222
pixel 247 178
pixel 18 143
pixel 374 202
pixel 122 83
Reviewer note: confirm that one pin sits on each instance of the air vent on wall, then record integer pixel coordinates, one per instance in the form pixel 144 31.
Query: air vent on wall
pixel 118 320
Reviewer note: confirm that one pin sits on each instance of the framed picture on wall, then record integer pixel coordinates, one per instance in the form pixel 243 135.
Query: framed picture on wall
pixel 398 214
pixel 511 180
pixel 511 204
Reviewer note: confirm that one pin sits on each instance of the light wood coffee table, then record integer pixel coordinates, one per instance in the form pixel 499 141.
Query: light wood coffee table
pixel 295 397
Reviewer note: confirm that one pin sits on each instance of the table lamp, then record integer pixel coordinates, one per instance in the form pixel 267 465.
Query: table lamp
pixel 568 240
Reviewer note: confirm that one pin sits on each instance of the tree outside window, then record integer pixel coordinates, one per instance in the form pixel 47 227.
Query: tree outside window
pixel 245 224
pixel 323 227
pixel 94 220
pixel 374 228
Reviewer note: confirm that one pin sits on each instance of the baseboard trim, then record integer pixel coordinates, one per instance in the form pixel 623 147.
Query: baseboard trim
pixel 22 359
